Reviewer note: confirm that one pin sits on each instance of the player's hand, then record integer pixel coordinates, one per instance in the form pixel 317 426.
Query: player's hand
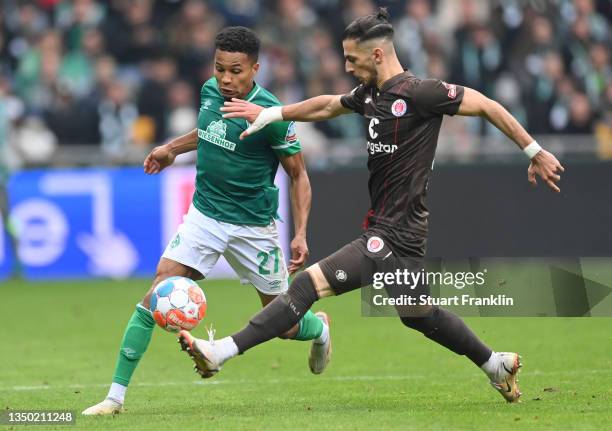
pixel 547 167
pixel 299 254
pixel 255 115
pixel 160 158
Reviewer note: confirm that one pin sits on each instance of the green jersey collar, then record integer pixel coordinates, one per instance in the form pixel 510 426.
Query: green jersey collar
pixel 253 92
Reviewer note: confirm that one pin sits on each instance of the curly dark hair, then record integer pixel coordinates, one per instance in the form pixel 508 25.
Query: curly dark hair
pixel 238 39
pixel 370 27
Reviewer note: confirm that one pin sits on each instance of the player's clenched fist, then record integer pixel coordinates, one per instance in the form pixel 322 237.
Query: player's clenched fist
pixel 547 167
pixel 299 254
pixel 160 158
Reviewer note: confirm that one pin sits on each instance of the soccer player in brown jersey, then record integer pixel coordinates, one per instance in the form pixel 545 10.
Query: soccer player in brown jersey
pixel 404 115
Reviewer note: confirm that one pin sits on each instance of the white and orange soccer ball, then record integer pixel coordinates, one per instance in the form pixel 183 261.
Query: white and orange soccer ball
pixel 178 303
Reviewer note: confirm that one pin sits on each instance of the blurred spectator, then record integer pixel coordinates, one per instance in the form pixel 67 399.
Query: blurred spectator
pixel 318 41
pixel 596 25
pixel 559 111
pixel 5 60
pixel 105 71
pixel 24 24
pixel 191 36
pixel 576 49
pixel 599 72
pixel 76 17
pixel 131 31
pixel 78 65
pixel 33 141
pixel 412 33
pixel 73 121
pixel 580 116
pixel 348 127
pixel 436 67
pixel 38 71
pixel 355 9
pixel 241 12
pixel 118 113
pixel 546 73
pixel 477 57
pixel 286 83
pixel 152 98
pixel 182 115
pixel 288 26
pixel 11 109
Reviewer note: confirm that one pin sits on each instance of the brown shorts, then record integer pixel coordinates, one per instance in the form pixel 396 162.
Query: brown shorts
pixel 355 266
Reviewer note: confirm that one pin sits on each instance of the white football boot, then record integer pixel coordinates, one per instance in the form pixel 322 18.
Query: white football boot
pixel 505 378
pixel 320 353
pixel 106 407
pixel 201 352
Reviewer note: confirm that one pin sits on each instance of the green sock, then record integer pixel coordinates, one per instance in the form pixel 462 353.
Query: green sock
pixel 311 327
pixel 135 341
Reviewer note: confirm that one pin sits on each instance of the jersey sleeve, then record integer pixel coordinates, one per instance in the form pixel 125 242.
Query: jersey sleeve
pixel 435 97
pixel 283 138
pixel 354 99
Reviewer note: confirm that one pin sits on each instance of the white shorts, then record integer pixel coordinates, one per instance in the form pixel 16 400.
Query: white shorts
pixel 254 252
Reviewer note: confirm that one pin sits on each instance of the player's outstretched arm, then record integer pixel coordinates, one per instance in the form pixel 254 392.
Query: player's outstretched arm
pixel 314 109
pixel 543 164
pixel 301 199
pixel 163 156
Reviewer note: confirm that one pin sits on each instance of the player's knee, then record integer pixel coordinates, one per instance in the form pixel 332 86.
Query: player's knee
pixel 260 319
pixel 162 273
pixel 303 290
pixel 146 300
pixel 426 323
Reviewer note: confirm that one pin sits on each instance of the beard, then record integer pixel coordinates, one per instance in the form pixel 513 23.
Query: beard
pixel 372 78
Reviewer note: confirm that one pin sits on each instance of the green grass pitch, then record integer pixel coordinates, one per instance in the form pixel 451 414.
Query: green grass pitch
pixel 59 342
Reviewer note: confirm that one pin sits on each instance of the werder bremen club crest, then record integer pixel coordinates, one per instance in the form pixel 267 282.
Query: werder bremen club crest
pixel 215 134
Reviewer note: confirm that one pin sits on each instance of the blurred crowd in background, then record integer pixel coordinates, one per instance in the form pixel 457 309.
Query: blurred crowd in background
pixel 124 75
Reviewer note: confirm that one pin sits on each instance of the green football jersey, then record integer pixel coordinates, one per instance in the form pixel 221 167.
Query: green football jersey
pixel 235 179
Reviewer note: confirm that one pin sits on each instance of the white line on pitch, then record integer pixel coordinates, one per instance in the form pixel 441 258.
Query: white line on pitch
pixel 214 382
pixel 281 380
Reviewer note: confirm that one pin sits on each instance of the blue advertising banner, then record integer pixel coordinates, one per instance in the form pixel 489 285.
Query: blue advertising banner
pixel 85 222
pixel 102 222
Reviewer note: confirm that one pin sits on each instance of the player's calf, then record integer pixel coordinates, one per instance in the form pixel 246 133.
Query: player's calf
pixel 448 330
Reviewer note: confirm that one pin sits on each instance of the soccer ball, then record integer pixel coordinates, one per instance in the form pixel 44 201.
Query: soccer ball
pixel 178 303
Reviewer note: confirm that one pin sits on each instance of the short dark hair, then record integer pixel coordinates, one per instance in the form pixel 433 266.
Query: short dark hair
pixel 238 39
pixel 370 27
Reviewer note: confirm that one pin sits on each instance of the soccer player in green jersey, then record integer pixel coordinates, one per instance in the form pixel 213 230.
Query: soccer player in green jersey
pixel 234 207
